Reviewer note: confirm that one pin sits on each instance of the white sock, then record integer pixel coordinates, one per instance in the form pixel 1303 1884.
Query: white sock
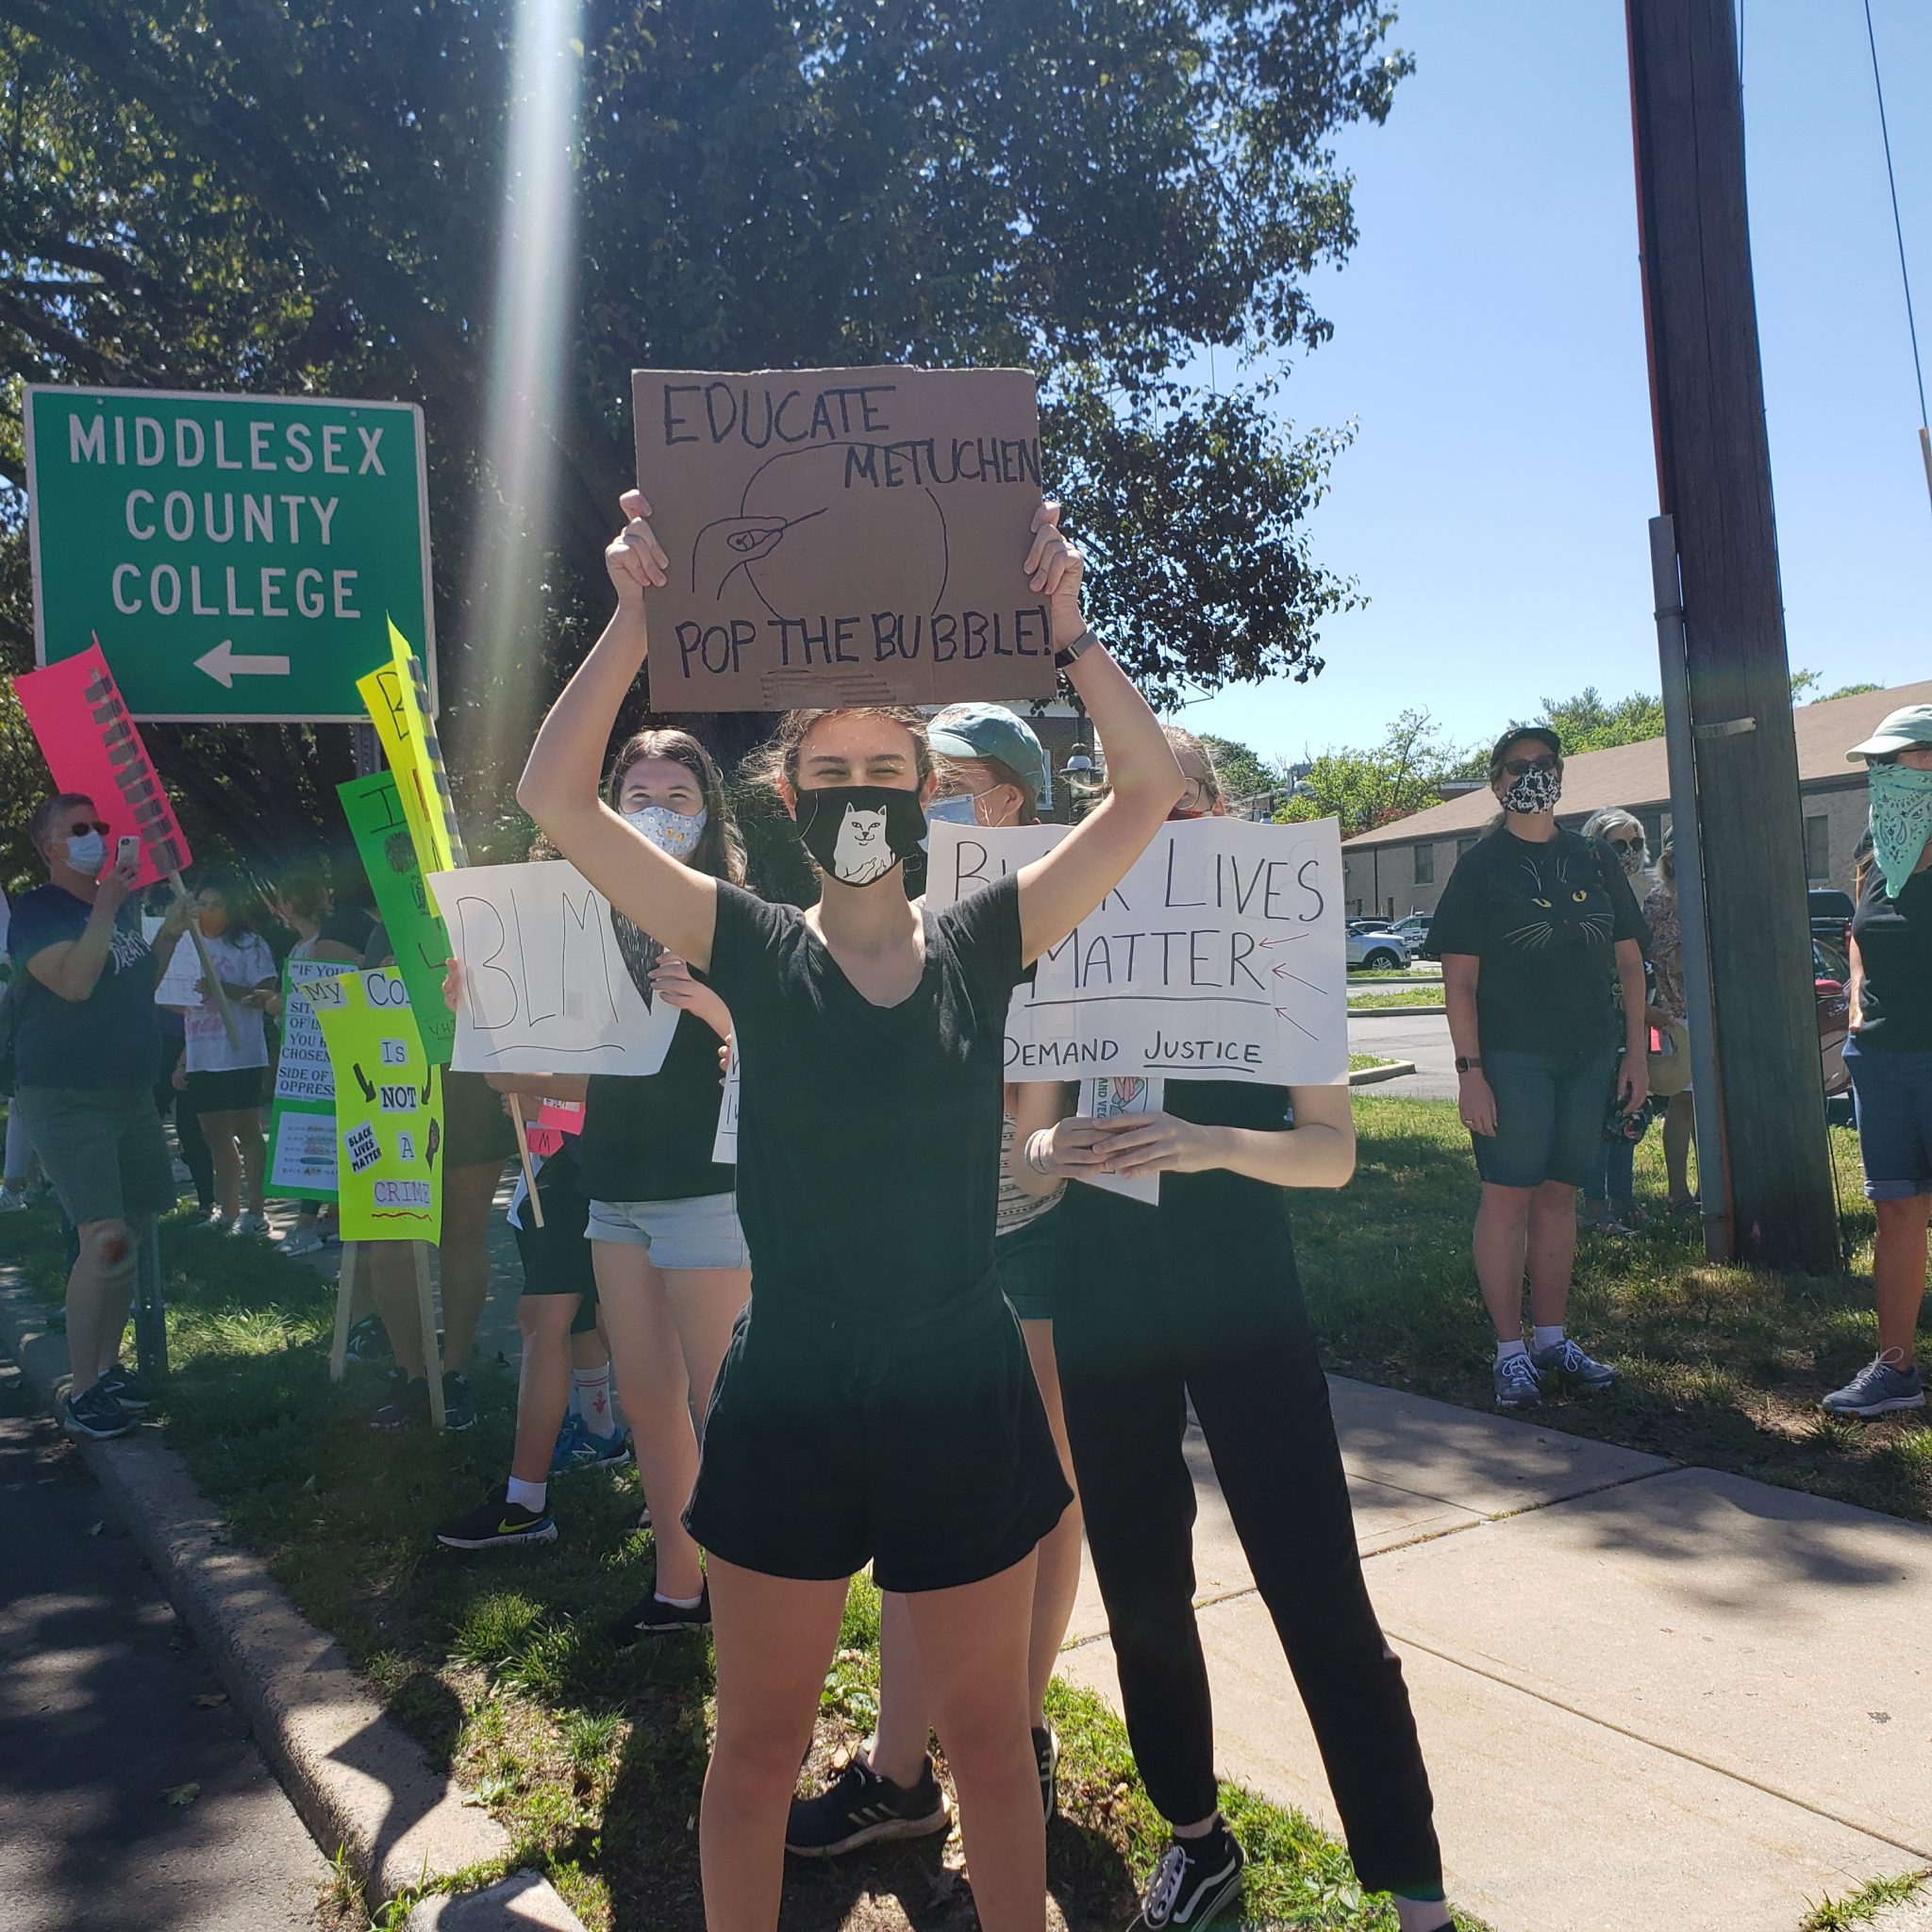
pixel 530 1495
pixel 1505 1349
pixel 589 1395
pixel 1548 1337
pixel 679 1603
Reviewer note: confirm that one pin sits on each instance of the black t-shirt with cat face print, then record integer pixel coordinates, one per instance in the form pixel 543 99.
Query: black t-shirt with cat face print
pixel 1543 921
pixel 868 1137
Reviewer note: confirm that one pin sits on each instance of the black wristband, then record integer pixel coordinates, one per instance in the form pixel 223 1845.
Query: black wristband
pixel 1068 652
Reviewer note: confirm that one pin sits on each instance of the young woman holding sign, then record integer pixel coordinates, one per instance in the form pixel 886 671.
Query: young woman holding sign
pixel 876 1402
pixel 993 772
pixel 1141 1332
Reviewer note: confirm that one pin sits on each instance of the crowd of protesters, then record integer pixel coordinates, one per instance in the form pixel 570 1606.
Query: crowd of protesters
pixel 897 1331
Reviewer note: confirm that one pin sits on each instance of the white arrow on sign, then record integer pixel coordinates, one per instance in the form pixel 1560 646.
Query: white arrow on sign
pixel 224 664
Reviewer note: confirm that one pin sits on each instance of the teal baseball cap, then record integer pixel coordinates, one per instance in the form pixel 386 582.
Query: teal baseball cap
pixel 992 732
pixel 1899 730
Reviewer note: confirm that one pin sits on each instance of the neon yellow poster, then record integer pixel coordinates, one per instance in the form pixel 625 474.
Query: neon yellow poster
pixel 388 1109
pixel 398 701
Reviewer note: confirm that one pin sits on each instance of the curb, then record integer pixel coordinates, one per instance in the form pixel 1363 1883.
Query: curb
pixel 357 1779
pixel 1368 1077
pixel 1394 1013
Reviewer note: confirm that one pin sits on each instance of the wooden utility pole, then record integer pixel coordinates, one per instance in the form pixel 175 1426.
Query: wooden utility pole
pixel 1714 482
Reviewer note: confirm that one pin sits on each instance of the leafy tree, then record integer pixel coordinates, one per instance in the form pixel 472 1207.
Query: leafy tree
pixel 1244 772
pixel 1368 788
pixel 220 194
pixel 1848 690
pixel 1588 723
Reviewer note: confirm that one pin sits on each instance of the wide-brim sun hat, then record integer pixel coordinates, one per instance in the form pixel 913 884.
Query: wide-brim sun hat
pixel 1900 730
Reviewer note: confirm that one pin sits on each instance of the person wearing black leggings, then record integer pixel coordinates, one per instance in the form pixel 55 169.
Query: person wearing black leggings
pixel 1197 1298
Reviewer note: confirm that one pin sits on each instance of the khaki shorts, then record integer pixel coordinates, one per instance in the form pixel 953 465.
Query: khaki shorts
pixel 102 1148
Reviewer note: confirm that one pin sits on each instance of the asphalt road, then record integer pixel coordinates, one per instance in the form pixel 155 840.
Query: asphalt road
pixel 99 1722
pixel 1423 1038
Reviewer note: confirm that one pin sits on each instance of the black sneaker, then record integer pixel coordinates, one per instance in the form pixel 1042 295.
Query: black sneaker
pixel 495 1522
pixel 863 1807
pixel 651 1616
pixel 127 1389
pixel 1046 1754
pixel 1192 1883
pixel 94 1413
pixel 369 1342
pixel 459 1402
pixel 408 1403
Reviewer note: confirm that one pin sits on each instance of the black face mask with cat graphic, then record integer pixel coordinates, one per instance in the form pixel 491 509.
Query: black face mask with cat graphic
pixel 858 833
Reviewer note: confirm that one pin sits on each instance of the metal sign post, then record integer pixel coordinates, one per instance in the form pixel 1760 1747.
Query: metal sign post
pixel 150 1304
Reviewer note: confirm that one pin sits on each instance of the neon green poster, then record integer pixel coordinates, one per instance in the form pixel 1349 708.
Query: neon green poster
pixel 388 1109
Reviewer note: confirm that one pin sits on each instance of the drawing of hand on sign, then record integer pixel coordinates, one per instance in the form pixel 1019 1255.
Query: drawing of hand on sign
pixel 800 516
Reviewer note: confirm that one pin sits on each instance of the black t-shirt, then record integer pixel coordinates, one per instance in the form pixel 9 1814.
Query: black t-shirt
pixel 869 1137
pixel 110 1039
pixel 1894 941
pixel 1545 920
pixel 350 926
pixel 1240 1224
pixel 649 1137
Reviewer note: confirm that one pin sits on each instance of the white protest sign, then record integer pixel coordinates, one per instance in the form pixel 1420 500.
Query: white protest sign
pixel 1106 1100
pixel 554 981
pixel 1220 956
pixel 303 1072
pixel 180 985
pixel 724 1148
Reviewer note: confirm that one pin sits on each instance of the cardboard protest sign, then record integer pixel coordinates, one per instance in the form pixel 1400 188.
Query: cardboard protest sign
pixel 398 700
pixel 841 536
pixel 1220 956
pixel 554 980
pixel 1107 1099
pixel 374 807
pixel 92 747
pixel 302 1126
pixel 389 1108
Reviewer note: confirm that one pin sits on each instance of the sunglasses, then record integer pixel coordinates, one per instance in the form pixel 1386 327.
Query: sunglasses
pixel 81 827
pixel 1522 768
pixel 1627 844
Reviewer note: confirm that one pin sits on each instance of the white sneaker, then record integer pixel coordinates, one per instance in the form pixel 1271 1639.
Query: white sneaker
pixel 249 1223
pixel 12 1201
pixel 302 1240
pixel 217 1223
pixel 183 1178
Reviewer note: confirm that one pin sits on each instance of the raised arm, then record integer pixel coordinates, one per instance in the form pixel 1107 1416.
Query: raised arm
pixel 72 968
pixel 560 787
pixel 1059 891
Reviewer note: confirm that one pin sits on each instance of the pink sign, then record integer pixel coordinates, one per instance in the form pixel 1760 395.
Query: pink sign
pixel 92 747
pixel 543 1141
pixel 563 1116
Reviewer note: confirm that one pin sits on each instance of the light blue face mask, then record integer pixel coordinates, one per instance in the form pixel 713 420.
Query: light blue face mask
pixel 962 808
pixel 1901 821
pixel 87 854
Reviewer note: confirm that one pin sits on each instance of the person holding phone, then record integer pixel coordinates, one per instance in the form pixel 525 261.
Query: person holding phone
pixel 88 1038
pixel 1533 929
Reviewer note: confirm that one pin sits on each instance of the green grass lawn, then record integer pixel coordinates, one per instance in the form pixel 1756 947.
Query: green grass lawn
pixel 1427 993
pixel 1357 1061
pixel 1721 1365
pixel 594 1759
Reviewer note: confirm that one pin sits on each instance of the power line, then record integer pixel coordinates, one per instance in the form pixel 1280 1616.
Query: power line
pixel 1897 225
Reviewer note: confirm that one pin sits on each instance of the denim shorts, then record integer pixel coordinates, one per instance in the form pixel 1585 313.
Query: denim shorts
pixel 1550 1109
pixel 702 1232
pixel 1891 1097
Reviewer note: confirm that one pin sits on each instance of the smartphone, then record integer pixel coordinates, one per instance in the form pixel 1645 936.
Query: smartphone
pixel 127 852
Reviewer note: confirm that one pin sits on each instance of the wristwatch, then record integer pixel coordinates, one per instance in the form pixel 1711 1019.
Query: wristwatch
pixel 1465 1065
pixel 1068 652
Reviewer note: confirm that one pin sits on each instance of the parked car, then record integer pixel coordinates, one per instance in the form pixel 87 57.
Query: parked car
pixel 1373 949
pixel 1834 1018
pixel 1414 930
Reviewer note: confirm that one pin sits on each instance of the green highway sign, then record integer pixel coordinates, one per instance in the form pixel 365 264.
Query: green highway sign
pixel 239 557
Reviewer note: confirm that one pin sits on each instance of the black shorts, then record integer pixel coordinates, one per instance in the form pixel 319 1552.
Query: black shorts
pixel 475 1129
pixel 833 1441
pixel 234 1089
pixel 557 1256
pixel 1027 1261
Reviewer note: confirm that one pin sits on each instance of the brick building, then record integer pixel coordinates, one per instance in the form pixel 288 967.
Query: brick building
pixel 1402 868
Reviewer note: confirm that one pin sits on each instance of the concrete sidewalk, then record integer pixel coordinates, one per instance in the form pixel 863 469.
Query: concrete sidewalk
pixel 1650 1695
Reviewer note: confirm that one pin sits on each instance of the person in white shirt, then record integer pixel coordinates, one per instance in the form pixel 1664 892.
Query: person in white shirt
pixel 226 1079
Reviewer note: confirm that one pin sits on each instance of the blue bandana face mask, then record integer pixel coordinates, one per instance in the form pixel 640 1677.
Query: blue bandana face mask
pixel 1901 821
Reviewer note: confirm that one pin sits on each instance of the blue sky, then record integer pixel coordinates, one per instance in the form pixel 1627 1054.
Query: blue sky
pixel 1488 342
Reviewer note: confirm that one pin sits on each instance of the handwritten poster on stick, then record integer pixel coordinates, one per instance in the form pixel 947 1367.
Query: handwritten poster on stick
pixel 554 981
pixel 92 747
pixel 398 700
pixel 386 846
pixel 1220 956
pixel 302 1126
pixel 388 1109
pixel 841 536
